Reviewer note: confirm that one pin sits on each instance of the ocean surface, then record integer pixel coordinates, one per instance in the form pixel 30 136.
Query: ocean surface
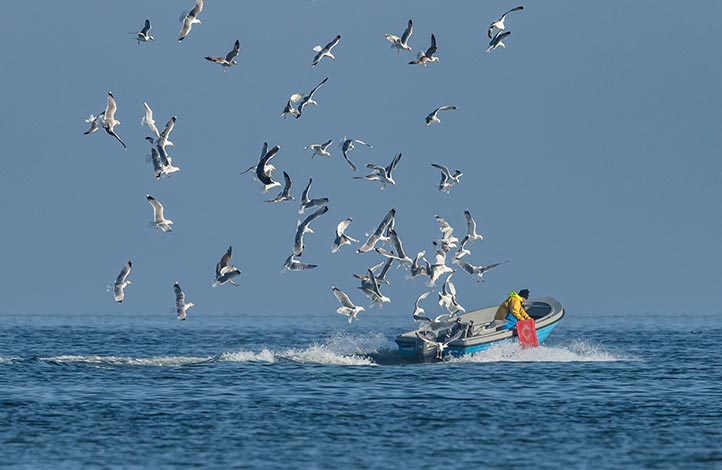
pixel 310 391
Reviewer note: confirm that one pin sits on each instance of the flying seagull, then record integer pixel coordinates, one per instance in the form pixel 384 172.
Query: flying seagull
pixel 162 162
pixel 303 228
pixel 341 237
pixel 121 282
pixel 402 42
pixel 447 178
pixel 398 253
pixel 471 227
pixel 163 137
pixel 308 99
pixel 307 202
pixel 144 34
pixel 290 108
pixel 292 264
pixel 477 271
pixel 347 307
pixel 230 59
pixel 433 116
pixel 427 56
pixel 147 119
pixel 264 170
pixel 190 19
pixel 285 194
pixel 109 121
pixel 497 41
pixel 371 289
pixel 419 312
pixel 181 306
pixel 347 146
pixel 225 272
pixel 325 51
pixel 498 25
pixel 320 149
pixel 382 174
pixel 439 345
pixel 378 234
pixel 159 220
pixel 95 123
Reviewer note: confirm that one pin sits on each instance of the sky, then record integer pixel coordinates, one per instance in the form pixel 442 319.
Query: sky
pixel 590 148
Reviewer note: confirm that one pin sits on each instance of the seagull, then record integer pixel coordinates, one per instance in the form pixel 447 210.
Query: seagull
pixel 499 24
pixel 447 297
pixel 264 170
pixel 290 108
pixel 347 146
pixel 447 231
pixel 320 149
pixel 303 228
pixel 159 220
pixel 121 282
pixel 285 194
pixel 230 59
pixel 439 345
pixel 418 268
pixel 162 162
pixel 462 250
pixel 293 264
pixel 190 19
pixel 433 116
pixel 325 51
pixel 371 289
pixel 447 178
pixel 308 99
pixel 148 120
pixel 439 267
pixel 143 35
pixel 427 56
pixel 497 41
pixel 398 250
pixel 109 121
pixel 307 202
pixel 181 306
pixel 471 228
pixel 419 311
pixel 94 123
pixel 163 137
pixel 347 307
pixel 382 174
pixel 380 277
pixel 225 272
pixel 402 42
pixel 378 233
pixel 341 237
pixel 477 271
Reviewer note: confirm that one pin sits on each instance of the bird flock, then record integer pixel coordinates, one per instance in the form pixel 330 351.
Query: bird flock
pixel 384 241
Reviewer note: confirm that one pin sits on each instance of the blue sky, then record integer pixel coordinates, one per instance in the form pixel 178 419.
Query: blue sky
pixel 590 148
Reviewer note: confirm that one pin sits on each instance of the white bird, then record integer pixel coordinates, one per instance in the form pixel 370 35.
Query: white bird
pixel 439 267
pixel 341 237
pixel 471 228
pixel 378 234
pixel 347 146
pixel 433 116
pixel 109 121
pixel 181 306
pixel 398 250
pixel 419 311
pixel 95 123
pixel 371 289
pixel 325 51
pixel 121 282
pixel 382 174
pixel 308 99
pixel 190 19
pixel 477 271
pixel 320 149
pixel 447 297
pixel 347 307
pixel 447 178
pixel 147 119
pixel 292 264
pixel 144 34
pixel 402 42
pixel 230 59
pixel 498 25
pixel 427 56
pixel 225 272
pixel 462 250
pixel 303 228
pixel 264 170
pixel 285 194
pixel 162 162
pixel 498 41
pixel 447 233
pixel 419 266
pixel 290 108
pixel 162 140
pixel 439 345
pixel 159 219
pixel 307 202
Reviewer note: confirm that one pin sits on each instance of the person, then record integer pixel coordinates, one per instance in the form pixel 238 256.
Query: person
pixel 512 310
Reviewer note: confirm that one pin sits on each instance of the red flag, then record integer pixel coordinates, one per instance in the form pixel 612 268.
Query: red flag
pixel 526 331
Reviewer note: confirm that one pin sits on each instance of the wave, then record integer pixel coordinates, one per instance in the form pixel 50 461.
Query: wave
pixel 578 351
pixel 161 361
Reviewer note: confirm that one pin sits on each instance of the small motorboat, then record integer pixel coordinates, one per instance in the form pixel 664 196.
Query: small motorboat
pixel 474 331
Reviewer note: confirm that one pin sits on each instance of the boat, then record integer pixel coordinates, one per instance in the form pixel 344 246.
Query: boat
pixel 469 333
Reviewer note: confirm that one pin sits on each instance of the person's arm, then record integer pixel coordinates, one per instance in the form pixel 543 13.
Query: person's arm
pixel 518 311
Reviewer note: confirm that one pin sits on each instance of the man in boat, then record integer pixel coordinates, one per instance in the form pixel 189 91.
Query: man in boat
pixel 512 310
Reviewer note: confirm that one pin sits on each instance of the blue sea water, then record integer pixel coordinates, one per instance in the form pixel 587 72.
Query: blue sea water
pixel 309 391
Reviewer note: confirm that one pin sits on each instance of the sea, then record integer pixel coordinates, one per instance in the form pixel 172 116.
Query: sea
pixel 310 391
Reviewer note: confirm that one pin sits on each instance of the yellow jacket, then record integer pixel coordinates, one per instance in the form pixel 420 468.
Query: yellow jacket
pixel 512 305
